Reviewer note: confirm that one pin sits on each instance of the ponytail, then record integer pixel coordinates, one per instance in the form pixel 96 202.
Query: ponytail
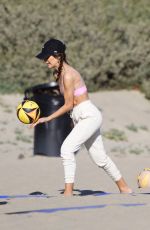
pixel 62 58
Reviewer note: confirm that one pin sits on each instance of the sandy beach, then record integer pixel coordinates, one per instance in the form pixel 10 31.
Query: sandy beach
pixel 96 203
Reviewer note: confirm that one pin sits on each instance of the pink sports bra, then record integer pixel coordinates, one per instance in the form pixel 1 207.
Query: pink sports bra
pixel 80 91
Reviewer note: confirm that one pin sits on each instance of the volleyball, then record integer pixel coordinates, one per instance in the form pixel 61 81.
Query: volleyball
pixel 28 112
pixel 144 178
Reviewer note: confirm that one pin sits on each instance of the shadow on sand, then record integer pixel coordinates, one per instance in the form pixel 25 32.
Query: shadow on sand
pixel 79 192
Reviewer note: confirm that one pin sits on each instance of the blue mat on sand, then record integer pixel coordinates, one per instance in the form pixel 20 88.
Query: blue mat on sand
pixel 31 195
pixel 42 195
pixel 53 210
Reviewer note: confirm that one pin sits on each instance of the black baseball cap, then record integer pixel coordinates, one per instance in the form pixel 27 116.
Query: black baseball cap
pixel 50 48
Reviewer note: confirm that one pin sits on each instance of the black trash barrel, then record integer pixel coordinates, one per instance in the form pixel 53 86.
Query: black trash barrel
pixel 49 136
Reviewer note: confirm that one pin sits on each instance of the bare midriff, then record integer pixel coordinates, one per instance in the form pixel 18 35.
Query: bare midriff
pixel 81 98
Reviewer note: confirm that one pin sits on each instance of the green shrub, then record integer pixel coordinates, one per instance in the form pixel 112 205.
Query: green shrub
pixel 115 134
pixel 132 127
pixel 108 41
pixel 146 88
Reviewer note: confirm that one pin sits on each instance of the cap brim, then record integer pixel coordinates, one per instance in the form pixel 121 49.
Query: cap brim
pixel 44 54
pixel 41 56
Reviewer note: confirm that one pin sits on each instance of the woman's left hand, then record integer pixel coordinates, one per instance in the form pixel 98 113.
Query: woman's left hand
pixel 39 121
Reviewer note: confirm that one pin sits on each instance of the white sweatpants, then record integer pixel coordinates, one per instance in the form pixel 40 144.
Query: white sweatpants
pixel 87 120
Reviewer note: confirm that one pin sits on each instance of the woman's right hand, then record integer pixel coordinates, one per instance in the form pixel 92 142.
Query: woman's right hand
pixel 39 121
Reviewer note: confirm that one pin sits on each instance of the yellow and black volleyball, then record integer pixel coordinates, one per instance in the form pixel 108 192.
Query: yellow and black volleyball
pixel 28 112
pixel 144 178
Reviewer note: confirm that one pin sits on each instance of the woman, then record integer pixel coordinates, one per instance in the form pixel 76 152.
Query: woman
pixel 86 117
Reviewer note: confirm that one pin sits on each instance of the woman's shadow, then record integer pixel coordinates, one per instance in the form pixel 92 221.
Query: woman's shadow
pixel 89 192
pixel 79 192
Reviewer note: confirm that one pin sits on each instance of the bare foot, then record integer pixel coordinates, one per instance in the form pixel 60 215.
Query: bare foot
pixel 68 189
pixel 66 193
pixel 123 187
pixel 126 191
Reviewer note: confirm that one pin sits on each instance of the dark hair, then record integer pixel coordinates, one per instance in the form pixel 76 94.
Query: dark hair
pixel 62 58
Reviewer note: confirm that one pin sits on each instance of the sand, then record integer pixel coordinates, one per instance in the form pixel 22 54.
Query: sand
pixel 96 203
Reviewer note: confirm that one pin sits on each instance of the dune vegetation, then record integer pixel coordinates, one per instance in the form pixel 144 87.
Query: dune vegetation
pixel 108 42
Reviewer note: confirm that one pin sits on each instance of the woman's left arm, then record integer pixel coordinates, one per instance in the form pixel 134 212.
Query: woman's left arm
pixel 68 98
